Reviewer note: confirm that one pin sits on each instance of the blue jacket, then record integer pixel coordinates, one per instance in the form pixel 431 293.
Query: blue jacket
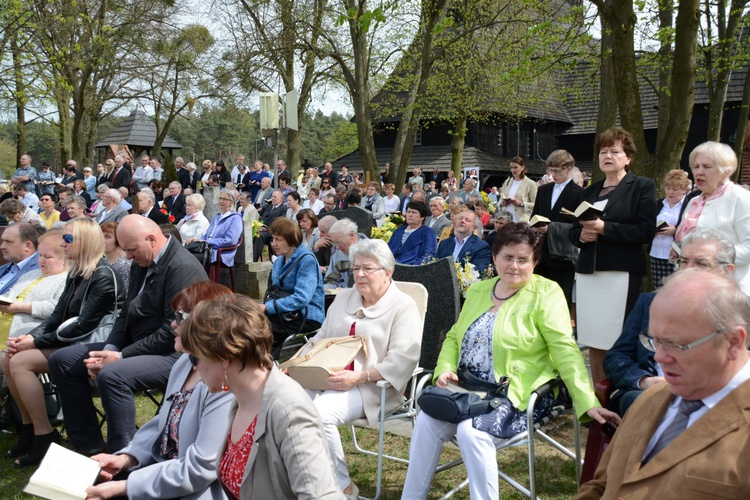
pixel 627 361
pixel 227 234
pixel 419 246
pixel 32 264
pixel 305 282
pixel 478 251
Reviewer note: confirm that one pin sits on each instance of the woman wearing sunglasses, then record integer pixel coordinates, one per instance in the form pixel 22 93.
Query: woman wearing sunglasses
pixel 174 454
pixel 91 293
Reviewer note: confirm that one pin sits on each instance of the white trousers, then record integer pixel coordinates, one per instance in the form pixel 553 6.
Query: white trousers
pixel 337 408
pixel 478 449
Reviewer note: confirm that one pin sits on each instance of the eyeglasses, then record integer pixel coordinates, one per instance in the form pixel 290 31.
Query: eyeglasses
pixel 707 265
pixel 225 199
pixel 651 343
pixel 67 238
pixel 521 262
pixel 367 270
pixel 556 170
pixel 180 316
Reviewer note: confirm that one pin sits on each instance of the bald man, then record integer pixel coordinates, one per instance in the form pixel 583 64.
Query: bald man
pixel 139 352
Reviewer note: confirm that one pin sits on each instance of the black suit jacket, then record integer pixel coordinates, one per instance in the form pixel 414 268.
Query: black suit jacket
pixel 570 198
pixel 158 217
pixel 183 177
pixel 630 223
pixel 120 179
pixel 176 208
pixel 144 324
pixel 270 213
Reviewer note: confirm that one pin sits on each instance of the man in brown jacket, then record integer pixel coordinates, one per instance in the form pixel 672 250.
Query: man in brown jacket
pixel 698 328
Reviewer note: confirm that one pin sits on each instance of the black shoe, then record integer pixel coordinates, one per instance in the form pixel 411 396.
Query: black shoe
pixel 39 448
pixel 25 438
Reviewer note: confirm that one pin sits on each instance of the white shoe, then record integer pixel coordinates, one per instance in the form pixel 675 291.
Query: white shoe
pixel 354 495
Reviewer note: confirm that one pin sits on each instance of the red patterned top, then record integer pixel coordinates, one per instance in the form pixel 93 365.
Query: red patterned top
pixel 234 460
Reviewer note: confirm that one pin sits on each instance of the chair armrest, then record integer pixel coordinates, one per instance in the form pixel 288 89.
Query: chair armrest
pixel 545 389
pixel 384 384
pixel 603 390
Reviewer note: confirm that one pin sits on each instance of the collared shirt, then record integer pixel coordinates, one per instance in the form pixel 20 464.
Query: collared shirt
pixel 557 191
pixel 458 247
pixel 14 269
pixel 154 263
pixel 708 402
pixel 31 172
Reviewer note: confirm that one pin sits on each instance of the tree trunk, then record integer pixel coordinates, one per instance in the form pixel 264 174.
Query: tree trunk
pixel 664 61
pixel 726 46
pixel 622 22
pixel 458 138
pixel 669 153
pixel 20 101
pixel 607 115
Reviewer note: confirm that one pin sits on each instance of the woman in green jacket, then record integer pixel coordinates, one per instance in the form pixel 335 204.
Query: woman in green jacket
pixel 516 325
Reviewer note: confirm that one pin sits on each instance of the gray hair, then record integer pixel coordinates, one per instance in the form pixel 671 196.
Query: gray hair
pixel 326 222
pixel 438 198
pixel 179 158
pixel 722 154
pixel 197 200
pixel 726 253
pixel 176 183
pixel 343 226
pixel 78 200
pixel 576 175
pixel 503 214
pixel 724 304
pixel 191 166
pixel 102 188
pixel 149 194
pixel 471 182
pixel 114 194
pixel 376 249
pixel 232 195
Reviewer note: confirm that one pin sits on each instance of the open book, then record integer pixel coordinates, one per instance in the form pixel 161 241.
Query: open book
pixel 539 221
pixel 585 211
pixel 63 475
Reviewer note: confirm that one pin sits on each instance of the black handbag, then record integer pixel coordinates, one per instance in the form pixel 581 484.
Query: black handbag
pixel 275 292
pixel 463 402
pixel 201 251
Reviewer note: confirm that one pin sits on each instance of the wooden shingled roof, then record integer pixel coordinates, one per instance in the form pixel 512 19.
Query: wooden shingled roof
pixel 137 130
pixel 429 157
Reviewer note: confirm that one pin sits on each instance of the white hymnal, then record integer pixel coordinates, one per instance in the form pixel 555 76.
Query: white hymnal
pixel 63 475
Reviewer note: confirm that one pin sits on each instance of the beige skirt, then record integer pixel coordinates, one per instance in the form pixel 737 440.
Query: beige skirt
pixel 601 299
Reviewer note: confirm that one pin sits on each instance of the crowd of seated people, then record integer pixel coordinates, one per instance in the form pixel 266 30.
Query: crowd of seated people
pixel 227 383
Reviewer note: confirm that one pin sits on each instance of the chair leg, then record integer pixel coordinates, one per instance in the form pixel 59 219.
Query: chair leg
pixel 231 276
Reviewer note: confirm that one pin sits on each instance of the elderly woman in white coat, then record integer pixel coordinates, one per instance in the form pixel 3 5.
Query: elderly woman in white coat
pixel 388 318
pixel 173 455
pixel 194 224
pixel 722 204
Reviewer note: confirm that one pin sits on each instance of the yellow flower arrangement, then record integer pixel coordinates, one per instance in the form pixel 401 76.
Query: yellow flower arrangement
pixel 385 231
pixel 256 225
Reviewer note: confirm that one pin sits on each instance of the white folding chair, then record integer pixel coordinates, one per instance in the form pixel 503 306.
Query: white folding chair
pixel 407 410
pixel 527 438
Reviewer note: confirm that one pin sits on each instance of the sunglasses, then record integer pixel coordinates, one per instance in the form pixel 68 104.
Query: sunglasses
pixel 67 238
pixel 180 316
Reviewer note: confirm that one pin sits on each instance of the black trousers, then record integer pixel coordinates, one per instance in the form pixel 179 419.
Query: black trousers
pixel 282 329
pixel 563 276
pixel 117 383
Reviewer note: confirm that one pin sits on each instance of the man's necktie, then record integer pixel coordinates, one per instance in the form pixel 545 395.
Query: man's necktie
pixel 679 424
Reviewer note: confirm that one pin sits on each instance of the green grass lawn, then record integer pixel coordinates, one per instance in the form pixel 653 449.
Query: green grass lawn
pixel 555 473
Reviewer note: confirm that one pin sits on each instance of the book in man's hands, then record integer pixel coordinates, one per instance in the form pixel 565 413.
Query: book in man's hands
pixel 63 475
pixel 585 211
pixel 539 221
pixel 660 224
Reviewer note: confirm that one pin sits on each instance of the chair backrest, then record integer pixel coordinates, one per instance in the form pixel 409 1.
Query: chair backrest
pixel 417 292
pixel 443 303
pixel 361 217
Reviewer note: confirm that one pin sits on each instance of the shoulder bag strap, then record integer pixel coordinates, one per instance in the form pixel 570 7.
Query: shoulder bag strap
pixel 83 300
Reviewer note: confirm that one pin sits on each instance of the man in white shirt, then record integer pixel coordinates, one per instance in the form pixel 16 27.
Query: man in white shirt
pixel 158 171
pixel 687 437
pixel 143 174
pixel 236 169
pixel 21 192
